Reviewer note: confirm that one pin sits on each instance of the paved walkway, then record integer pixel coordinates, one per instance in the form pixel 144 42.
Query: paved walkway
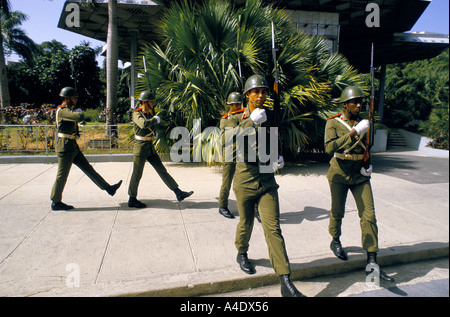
pixel 104 248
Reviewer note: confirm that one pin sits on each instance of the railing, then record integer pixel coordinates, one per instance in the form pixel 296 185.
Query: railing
pixel 40 139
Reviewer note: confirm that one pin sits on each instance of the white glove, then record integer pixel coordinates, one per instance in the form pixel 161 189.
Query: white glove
pixel 78 110
pixel 366 172
pixel 362 127
pixel 279 164
pixel 258 116
pixel 158 119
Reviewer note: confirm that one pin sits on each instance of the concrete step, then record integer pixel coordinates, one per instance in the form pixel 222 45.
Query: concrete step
pixel 395 139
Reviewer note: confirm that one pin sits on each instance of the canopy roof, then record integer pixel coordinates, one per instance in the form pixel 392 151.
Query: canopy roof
pixel 355 38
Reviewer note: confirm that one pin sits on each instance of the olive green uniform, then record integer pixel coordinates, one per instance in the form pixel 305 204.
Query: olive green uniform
pixel 252 187
pixel 343 175
pixel 68 152
pixel 143 150
pixel 229 120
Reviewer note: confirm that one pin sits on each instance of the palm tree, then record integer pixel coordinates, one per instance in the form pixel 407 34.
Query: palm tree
pixel 14 38
pixel 196 66
pixel 4 91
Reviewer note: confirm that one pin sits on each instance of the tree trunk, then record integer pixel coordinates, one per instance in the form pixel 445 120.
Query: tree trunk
pixel 111 64
pixel 4 89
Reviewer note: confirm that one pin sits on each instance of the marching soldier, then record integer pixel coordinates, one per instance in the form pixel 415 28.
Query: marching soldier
pixel 144 119
pixel 68 151
pixel 229 120
pixel 251 186
pixel 344 139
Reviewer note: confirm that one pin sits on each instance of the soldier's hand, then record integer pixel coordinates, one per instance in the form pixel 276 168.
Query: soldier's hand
pixel 258 116
pixel 362 127
pixel 279 164
pixel 366 172
pixel 157 118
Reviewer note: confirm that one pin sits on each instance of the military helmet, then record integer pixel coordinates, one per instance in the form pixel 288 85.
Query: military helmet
pixel 255 81
pixel 146 95
pixel 234 97
pixel 351 92
pixel 68 92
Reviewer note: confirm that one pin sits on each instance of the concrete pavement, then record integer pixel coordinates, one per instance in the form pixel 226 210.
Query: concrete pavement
pixel 104 248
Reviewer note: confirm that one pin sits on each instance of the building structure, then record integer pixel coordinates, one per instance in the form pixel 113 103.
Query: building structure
pixel 350 26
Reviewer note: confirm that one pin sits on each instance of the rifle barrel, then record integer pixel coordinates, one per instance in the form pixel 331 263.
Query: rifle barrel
pixel 370 132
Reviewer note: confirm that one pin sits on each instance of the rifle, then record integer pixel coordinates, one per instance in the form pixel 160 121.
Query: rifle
pixel 276 97
pixel 146 74
pixel 241 79
pixel 148 81
pixel 370 132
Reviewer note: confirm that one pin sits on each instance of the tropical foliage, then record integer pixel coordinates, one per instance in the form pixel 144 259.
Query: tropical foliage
pixel 53 66
pixel 209 48
pixel 15 38
pixel 419 92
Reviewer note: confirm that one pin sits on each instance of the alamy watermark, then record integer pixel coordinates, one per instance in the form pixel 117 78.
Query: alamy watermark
pixel 239 145
pixel 73 18
pixel 373 18
pixel 73 278
pixel 373 275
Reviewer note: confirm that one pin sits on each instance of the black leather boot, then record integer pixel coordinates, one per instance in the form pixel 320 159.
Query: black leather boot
pixel 181 195
pixel 134 203
pixel 224 211
pixel 337 249
pixel 60 206
pixel 245 264
pixel 288 289
pixel 372 259
pixel 113 188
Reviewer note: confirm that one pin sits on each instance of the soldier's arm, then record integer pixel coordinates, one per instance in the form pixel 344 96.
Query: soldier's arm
pixel 70 115
pixel 142 122
pixel 334 141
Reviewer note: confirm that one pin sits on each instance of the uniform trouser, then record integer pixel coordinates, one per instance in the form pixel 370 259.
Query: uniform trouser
pixel 138 168
pixel 65 161
pixel 228 170
pixel 269 211
pixel 366 212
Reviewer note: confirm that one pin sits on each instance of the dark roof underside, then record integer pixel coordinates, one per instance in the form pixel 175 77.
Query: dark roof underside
pixel 396 16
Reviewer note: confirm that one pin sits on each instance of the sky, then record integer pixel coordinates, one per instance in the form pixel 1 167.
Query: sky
pixel 43 17
pixel 42 24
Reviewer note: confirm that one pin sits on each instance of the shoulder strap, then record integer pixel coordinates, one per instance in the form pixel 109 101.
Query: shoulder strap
pixel 57 114
pixel 336 115
pixel 349 128
pixel 237 111
pixel 344 123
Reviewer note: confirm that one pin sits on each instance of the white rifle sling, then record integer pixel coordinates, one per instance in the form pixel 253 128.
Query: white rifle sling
pixel 357 137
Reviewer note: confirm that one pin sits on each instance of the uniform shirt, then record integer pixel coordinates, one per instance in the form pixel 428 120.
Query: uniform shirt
pixel 248 173
pixel 67 123
pixel 229 120
pixel 143 124
pixel 337 139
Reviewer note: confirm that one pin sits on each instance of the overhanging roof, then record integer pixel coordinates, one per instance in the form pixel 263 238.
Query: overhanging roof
pixel 396 15
pixel 135 15
pixel 397 48
pixel 391 45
